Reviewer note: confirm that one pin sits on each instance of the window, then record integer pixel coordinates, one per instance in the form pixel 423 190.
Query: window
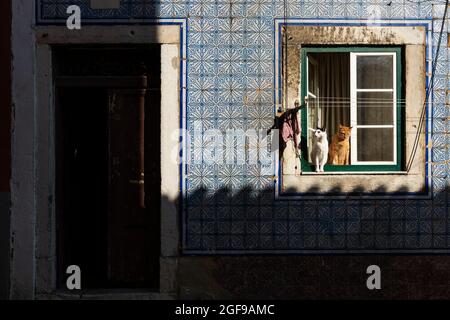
pixel 373 79
pixel 357 87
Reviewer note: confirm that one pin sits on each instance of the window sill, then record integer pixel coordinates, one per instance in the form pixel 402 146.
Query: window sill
pixel 341 182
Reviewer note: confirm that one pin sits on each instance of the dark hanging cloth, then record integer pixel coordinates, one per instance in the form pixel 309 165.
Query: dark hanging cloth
pixel 290 126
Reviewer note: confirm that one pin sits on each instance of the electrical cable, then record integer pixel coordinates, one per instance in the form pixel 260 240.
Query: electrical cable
pixel 428 92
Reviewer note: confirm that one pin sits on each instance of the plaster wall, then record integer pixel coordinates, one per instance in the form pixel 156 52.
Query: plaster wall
pixel 23 179
pixel 4 244
pixel 5 143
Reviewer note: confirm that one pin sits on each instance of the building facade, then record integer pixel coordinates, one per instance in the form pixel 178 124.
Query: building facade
pixel 229 90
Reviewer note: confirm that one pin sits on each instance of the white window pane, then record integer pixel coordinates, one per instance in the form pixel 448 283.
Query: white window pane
pixel 313 121
pixel 313 75
pixel 375 108
pixel 374 72
pixel 375 144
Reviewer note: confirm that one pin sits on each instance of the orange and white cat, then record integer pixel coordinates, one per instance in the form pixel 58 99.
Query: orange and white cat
pixel 340 147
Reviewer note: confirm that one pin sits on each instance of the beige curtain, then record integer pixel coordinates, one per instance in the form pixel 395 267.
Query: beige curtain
pixel 334 90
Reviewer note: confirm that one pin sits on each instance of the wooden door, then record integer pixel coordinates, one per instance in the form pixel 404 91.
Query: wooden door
pixel 108 210
pixel 129 219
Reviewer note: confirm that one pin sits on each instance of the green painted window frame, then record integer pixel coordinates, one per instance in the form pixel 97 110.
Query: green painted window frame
pixel 305 165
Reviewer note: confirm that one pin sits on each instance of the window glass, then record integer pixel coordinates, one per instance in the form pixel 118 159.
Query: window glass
pixel 352 95
pixel 375 144
pixel 374 72
pixel 375 108
pixel 312 76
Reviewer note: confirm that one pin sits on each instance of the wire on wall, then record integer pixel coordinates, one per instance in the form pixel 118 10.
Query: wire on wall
pixel 427 94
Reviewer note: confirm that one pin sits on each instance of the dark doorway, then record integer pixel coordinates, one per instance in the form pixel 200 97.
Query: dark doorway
pixel 108 165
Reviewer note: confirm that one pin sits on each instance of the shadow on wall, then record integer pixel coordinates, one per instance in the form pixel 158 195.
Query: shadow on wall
pixel 5 143
pixel 224 222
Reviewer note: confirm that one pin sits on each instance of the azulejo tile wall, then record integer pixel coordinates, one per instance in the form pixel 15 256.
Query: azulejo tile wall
pixel 231 208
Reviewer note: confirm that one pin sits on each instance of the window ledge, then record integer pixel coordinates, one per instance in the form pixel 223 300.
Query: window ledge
pixel 353 182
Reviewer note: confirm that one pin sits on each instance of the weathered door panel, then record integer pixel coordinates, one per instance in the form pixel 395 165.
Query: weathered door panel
pixel 129 219
pixel 108 165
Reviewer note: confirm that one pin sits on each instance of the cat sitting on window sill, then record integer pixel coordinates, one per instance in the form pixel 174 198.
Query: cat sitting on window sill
pixel 319 150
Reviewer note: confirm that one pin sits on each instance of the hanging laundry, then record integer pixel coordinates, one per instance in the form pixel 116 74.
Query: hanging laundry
pixel 290 126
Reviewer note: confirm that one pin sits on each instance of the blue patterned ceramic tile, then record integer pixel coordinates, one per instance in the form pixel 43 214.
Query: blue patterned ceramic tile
pixel 230 86
pixel 425 241
pixel 439 226
pixel 438 10
pixel 425 10
pixel 312 9
pixel 382 241
pixel 367 241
